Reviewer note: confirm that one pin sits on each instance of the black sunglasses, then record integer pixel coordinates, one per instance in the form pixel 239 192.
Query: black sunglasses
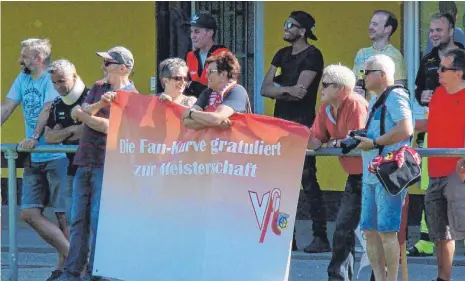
pixel 289 25
pixel 179 78
pixel 107 63
pixel 444 68
pixel 368 72
pixel 326 85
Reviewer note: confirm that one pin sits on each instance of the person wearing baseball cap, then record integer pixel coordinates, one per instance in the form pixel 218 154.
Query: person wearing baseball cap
pixel 118 63
pixel 203 29
pixel 300 67
pixel 118 55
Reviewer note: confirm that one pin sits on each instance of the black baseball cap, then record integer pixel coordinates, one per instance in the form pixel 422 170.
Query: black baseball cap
pixel 306 21
pixel 203 20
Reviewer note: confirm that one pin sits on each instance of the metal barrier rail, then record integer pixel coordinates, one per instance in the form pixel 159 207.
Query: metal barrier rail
pixel 11 154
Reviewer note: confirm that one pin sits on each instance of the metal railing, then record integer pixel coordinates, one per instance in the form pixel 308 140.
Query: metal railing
pixel 11 154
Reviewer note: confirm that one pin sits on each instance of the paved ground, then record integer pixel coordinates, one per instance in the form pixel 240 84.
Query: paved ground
pixel 37 259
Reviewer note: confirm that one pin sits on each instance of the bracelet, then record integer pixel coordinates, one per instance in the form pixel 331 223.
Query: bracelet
pixel 190 113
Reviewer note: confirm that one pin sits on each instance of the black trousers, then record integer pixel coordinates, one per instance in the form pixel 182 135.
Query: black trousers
pixel 341 266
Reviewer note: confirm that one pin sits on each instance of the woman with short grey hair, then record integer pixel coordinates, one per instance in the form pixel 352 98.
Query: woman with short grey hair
pixel 174 79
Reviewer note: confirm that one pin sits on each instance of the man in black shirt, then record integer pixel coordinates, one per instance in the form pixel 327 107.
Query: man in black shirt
pixel 61 128
pixel 295 90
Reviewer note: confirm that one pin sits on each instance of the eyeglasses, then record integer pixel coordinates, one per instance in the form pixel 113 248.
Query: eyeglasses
pixel 210 71
pixel 444 69
pixel 180 78
pixel 326 85
pixel 107 63
pixel 289 25
pixel 369 71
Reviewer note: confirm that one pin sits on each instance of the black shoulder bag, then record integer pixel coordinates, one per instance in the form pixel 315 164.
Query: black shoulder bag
pixel 399 169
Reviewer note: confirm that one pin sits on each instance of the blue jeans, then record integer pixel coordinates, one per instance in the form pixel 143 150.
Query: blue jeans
pixel 87 188
pixel 44 185
pixel 69 197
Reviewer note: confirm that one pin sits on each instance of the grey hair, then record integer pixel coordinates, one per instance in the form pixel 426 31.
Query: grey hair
pixel 62 66
pixel 41 47
pixel 169 66
pixel 385 64
pixel 340 75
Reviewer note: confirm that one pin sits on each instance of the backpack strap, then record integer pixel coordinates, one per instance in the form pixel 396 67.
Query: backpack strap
pixel 381 103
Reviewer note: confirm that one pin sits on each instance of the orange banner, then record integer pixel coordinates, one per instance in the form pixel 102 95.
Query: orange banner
pixel 179 204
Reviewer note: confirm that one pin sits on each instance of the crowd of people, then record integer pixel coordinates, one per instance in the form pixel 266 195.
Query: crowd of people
pixel 59 108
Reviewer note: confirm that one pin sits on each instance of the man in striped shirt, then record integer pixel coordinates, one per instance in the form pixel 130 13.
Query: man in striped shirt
pixel 90 157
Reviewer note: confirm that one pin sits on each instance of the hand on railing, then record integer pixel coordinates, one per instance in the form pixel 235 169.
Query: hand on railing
pixel 28 143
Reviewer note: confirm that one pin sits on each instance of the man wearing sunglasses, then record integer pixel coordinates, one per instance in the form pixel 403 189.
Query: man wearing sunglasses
pixel 118 63
pixel 445 196
pixel 301 66
pixel 382 25
pixel 381 212
pixel 441 35
pixel 203 31
pixel 341 111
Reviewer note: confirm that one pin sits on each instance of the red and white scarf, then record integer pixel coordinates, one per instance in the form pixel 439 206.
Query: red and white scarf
pixel 217 99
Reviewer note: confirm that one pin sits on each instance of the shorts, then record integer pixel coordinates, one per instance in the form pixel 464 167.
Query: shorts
pixel 445 208
pixel 381 211
pixel 44 184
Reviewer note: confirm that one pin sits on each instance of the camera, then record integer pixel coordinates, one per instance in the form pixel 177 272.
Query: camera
pixel 351 142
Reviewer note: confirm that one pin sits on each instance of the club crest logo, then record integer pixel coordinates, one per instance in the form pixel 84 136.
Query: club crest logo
pixel 266 210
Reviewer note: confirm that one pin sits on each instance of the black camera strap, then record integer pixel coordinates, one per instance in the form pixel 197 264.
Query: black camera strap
pixel 380 103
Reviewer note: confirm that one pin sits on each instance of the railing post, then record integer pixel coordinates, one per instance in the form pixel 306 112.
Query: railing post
pixel 11 155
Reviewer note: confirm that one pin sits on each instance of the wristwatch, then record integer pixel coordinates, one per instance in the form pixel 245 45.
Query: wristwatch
pixel 335 143
pixel 190 112
pixel 35 136
pixel 375 144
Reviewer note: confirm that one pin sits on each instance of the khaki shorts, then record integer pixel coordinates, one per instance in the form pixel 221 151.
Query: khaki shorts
pixel 445 208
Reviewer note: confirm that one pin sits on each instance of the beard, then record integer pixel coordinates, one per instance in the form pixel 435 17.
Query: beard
pixel 293 38
pixel 443 45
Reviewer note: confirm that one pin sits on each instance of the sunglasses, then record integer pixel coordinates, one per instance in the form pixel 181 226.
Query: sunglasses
pixel 368 72
pixel 326 85
pixel 210 71
pixel 444 69
pixel 289 25
pixel 180 78
pixel 107 63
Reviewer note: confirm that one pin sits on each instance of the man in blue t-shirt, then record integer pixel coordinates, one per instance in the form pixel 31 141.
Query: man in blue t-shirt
pixel 381 212
pixel 44 178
